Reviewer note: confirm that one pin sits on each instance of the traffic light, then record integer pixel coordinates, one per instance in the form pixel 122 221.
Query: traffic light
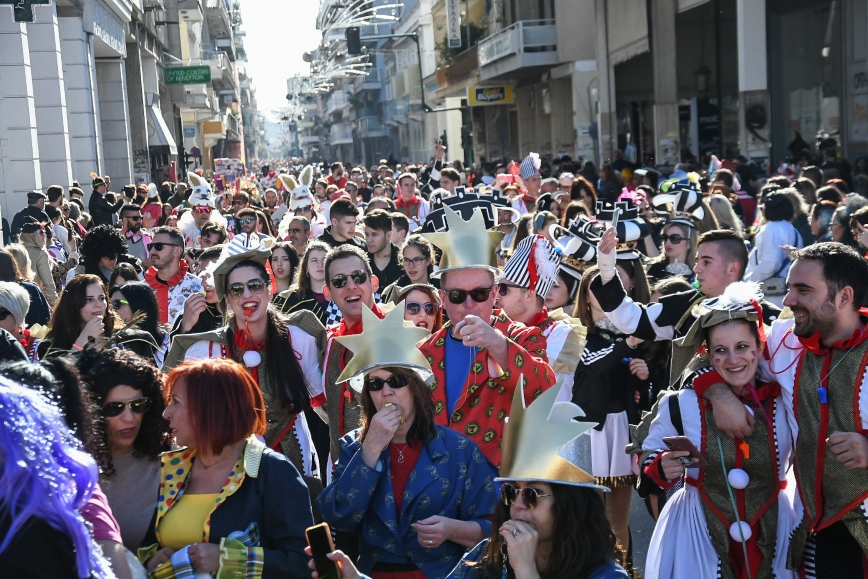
pixel 354 41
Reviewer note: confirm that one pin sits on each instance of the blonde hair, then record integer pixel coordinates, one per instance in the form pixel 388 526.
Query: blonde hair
pixel 22 258
pixel 722 208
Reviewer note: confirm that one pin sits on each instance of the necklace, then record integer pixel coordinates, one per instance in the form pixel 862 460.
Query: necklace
pixel 822 392
pixel 223 457
pixel 400 451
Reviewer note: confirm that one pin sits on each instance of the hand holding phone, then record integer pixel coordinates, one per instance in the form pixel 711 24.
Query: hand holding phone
pixel 685 444
pixel 319 537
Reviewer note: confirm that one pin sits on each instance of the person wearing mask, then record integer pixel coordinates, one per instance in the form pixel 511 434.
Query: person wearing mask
pixel 101 211
pixel 168 275
pixel 521 293
pixel 479 356
pixel 382 254
pixel 343 225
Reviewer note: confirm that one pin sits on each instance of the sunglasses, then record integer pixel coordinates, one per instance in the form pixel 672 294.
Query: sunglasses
pixel 159 245
pixel 509 493
pixel 377 384
pixel 118 303
pixel 675 239
pixel 238 202
pixel 236 290
pixel 414 308
pixel 203 210
pixel 305 209
pixel 479 295
pixel 294 230
pixel 340 280
pixel 139 406
pixel 415 261
pixel 247 221
pixel 503 288
pixel 4 313
pixel 133 217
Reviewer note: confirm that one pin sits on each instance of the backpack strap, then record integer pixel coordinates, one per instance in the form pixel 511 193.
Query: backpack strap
pixel 675 415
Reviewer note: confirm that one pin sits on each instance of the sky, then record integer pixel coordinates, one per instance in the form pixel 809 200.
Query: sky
pixel 278 33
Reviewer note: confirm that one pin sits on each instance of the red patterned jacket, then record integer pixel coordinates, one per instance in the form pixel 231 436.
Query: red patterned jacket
pixel 483 407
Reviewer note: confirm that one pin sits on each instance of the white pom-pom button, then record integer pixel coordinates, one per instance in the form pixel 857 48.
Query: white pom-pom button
pixel 739 530
pixel 738 479
pixel 252 358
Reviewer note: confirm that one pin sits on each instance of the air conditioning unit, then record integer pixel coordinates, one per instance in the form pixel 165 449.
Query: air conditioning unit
pixel 190 11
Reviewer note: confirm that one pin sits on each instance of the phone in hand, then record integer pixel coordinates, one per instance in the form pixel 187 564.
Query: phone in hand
pixel 616 215
pixel 684 443
pixel 319 537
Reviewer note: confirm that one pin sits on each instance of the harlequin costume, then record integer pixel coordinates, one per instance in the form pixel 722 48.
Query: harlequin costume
pixel 832 501
pixel 480 411
pixel 446 475
pixel 699 534
pixel 287 430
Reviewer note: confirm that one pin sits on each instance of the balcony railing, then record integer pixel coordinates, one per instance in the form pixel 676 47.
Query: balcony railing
pixel 370 127
pixel 462 67
pixel 522 37
pixel 341 134
pixel 217 17
pixel 337 101
pixel 371 81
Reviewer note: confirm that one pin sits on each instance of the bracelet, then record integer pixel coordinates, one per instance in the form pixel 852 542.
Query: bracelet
pixel 77 347
pixel 365 444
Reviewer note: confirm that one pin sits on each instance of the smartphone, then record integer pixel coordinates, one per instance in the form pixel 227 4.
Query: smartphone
pixel 684 443
pixel 616 215
pixel 319 537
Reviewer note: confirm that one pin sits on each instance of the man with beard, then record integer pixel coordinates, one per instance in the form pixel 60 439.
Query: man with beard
pixel 168 275
pixel 298 233
pixel 819 357
pixel 137 240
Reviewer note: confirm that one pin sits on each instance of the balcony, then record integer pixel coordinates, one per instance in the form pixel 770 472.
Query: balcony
pixel 369 82
pixel 336 102
pixel 462 67
pixel 217 17
pixel 395 113
pixel 370 128
pixel 190 11
pixel 527 45
pixel 222 73
pixel 232 127
pixel 309 139
pixel 341 134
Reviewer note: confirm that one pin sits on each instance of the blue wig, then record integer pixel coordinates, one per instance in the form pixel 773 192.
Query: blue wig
pixel 45 474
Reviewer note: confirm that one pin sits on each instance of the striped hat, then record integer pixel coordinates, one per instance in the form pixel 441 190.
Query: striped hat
pixel 685 195
pixel 577 245
pixel 533 265
pixel 530 166
pixel 631 226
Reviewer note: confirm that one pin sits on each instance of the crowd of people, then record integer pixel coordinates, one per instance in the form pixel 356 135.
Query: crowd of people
pixel 465 372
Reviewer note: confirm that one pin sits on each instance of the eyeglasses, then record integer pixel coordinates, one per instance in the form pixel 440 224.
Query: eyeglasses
pixel 203 210
pixel 509 493
pixel 133 217
pixel 159 245
pixel 247 221
pixel 479 295
pixel 340 280
pixel 139 406
pixel 118 303
pixel 415 261
pixel 295 230
pixel 414 308
pixel 236 290
pixel 377 384
pixel 675 239
pixel 503 288
pixel 4 313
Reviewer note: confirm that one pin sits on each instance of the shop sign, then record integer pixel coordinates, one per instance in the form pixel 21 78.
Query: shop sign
pixel 453 23
pixel 188 74
pixel 490 95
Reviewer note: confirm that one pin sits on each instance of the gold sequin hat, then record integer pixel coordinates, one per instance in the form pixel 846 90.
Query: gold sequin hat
pixel 466 244
pixel 533 437
pixel 386 343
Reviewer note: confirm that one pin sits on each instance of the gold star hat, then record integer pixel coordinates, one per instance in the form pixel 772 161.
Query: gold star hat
pixel 466 244
pixel 536 440
pixel 385 343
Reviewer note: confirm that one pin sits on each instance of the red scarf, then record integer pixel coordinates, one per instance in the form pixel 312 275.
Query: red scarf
pixel 401 203
pixel 161 288
pixel 344 330
pixel 538 318
pixel 812 343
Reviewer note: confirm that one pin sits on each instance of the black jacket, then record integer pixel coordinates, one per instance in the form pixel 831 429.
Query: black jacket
pixel 26 215
pixel 278 501
pixel 101 211
pixel 327 238
pixel 392 272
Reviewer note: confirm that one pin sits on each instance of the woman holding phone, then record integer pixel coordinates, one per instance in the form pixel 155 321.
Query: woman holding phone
pixel 699 531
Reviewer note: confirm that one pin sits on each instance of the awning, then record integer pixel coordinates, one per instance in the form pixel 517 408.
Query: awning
pixel 159 135
pixel 628 30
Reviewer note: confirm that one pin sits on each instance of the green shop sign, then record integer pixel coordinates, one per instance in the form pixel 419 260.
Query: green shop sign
pixel 188 75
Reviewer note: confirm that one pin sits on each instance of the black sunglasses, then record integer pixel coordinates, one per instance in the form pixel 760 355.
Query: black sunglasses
pixel 133 217
pixel 377 384
pixel 340 280
pixel 674 238
pixel 4 313
pixel 139 406
pixel 509 493
pixel 159 245
pixel 479 295
pixel 239 202
pixel 414 308
pixel 503 288
pixel 236 290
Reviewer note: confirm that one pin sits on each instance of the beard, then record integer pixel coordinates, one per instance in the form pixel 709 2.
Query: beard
pixel 821 319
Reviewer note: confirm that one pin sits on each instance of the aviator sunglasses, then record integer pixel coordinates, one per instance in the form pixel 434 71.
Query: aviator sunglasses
pixel 139 406
pixel 509 493
pixel 236 290
pixel 414 308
